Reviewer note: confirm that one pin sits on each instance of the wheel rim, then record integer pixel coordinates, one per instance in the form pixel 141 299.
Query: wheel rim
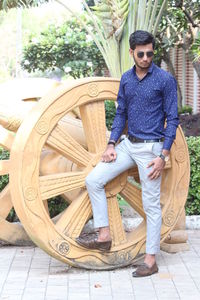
pixel 29 190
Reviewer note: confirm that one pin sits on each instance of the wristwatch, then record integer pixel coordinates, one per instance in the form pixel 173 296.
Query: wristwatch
pixel 163 157
pixel 112 142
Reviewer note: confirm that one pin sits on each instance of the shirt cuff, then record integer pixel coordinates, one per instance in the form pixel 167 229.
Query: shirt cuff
pixel 168 143
pixel 113 137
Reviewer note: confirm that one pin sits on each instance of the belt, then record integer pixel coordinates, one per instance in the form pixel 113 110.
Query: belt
pixel 132 139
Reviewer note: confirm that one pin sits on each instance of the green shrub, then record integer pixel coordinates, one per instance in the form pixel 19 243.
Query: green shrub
pixel 110 113
pixel 4 154
pixel 186 109
pixel 193 201
pixel 56 205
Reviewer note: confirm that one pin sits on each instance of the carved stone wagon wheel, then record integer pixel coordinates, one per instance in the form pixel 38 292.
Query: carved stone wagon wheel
pixel 51 162
pixel 29 189
pixel 18 96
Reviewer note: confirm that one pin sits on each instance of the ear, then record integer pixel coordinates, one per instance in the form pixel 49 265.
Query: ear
pixel 131 52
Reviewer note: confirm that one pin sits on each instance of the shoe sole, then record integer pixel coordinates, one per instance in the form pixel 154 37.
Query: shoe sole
pixel 137 275
pixel 100 249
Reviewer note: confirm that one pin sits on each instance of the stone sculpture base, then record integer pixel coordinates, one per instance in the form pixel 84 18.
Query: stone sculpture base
pixel 176 241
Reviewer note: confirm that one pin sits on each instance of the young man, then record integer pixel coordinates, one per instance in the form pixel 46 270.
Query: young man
pixel 147 96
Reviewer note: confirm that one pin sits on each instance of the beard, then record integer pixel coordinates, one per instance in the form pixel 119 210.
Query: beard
pixel 142 66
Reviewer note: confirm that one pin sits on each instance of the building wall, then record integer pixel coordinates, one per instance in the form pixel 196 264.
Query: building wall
pixel 187 78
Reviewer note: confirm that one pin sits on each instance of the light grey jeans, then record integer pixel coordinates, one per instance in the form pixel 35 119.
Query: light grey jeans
pixel 129 154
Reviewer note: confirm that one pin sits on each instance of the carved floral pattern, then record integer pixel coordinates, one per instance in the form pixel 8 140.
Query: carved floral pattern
pixel 93 90
pixel 30 193
pixel 169 218
pixel 63 248
pixel 42 127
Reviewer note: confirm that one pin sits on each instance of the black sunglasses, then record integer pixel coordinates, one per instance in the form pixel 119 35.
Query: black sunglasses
pixel 140 54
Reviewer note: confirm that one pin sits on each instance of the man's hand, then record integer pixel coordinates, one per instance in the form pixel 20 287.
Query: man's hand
pixel 158 165
pixel 110 154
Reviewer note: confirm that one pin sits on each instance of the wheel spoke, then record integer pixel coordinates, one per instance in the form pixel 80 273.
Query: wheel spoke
pixel 116 227
pixel 7 138
pixel 75 127
pixel 93 119
pixel 5 202
pixel 133 195
pixel 62 142
pixel 4 167
pixel 75 216
pixel 57 184
pixel 45 202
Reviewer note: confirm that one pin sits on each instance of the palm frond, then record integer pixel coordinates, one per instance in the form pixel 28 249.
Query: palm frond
pixel 7 4
pixel 113 21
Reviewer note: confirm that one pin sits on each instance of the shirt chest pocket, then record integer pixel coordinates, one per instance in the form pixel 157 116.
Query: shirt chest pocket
pixel 155 95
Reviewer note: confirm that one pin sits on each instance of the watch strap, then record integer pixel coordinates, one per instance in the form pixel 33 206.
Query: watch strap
pixel 111 142
pixel 162 156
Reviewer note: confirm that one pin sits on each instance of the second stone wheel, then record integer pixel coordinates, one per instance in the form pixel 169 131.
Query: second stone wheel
pixel 29 190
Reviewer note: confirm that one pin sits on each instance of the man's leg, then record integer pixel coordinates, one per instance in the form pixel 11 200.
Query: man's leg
pixel 152 209
pixel 95 182
pixel 143 155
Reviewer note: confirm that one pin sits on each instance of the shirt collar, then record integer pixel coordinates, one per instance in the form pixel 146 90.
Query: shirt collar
pixel 150 70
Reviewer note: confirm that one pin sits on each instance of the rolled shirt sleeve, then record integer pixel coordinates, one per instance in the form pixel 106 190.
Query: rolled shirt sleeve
pixel 171 111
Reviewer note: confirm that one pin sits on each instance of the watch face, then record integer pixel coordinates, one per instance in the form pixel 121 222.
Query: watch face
pixel 166 158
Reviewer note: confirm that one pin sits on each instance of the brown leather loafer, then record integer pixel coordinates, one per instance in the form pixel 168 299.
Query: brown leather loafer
pixel 144 270
pixel 90 242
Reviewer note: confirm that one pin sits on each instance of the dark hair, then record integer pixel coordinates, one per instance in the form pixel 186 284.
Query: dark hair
pixel 141 37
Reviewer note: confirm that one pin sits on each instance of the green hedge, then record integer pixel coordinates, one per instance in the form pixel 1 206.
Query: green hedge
pixel 110 113
pixel 4 179
pixel 193 202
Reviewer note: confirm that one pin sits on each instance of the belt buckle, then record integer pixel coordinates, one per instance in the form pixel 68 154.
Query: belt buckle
pixel 131 139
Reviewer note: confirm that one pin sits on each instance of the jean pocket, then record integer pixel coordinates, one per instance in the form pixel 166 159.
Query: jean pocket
pixel 157 148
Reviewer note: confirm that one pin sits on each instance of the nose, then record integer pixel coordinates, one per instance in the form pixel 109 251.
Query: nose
pixel 145 57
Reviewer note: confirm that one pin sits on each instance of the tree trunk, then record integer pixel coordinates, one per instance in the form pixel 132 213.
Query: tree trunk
pixel 167 60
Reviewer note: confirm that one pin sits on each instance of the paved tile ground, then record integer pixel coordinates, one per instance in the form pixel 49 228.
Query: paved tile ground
pixel 30 274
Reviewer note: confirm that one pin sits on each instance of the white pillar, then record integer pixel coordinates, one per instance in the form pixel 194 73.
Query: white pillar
pixel 183 76
pixel 195 91
pixel 174 57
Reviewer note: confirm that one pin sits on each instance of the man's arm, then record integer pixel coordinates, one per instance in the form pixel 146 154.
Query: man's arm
pixel 118 126
pixel 121 115
pixel 171 112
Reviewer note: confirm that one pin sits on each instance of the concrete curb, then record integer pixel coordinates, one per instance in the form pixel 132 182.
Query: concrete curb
pixel 193 222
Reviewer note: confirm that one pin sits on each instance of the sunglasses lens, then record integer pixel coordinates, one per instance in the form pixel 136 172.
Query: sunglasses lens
pixel 140 54
pixel 149 53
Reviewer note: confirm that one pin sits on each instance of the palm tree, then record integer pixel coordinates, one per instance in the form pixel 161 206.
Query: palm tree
pixel 7 4
pixel 112 21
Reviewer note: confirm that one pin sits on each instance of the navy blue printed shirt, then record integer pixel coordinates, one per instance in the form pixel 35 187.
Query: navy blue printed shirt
pixel 146 104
